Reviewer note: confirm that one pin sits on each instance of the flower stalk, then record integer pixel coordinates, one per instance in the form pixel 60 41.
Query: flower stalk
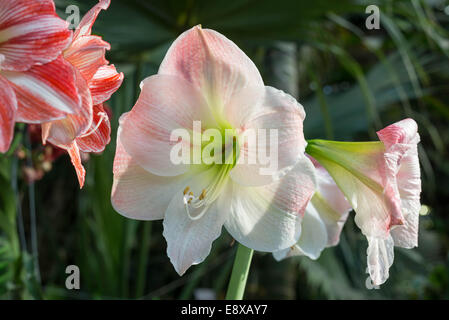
pixel 239 273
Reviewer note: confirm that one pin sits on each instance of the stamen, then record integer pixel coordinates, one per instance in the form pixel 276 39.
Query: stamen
pixel 186 190
pixel 103 116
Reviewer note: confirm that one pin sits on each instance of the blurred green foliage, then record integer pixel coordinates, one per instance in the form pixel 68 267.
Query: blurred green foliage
pixel 351 81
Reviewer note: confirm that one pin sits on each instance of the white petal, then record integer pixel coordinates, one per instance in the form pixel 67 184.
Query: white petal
pixel 280 117
pixel 380 258
pixel 189 241
pixel 313 238
pixel 331 205
pixel 268 218
pixel 409 184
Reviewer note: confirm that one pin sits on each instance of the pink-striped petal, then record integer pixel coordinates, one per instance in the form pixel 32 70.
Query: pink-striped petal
pixel 213 63
pixel 400 140
pixel 30 33
pixel 165 104
pixel 136 193
pixel 99 133
pixel 45 93
pixel 104 83
pixel 8 109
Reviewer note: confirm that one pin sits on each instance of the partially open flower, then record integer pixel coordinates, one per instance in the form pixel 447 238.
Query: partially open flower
pixel 381 180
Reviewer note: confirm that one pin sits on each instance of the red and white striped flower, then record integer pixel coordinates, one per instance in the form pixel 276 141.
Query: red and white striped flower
pixel 36 84
pixel 89 129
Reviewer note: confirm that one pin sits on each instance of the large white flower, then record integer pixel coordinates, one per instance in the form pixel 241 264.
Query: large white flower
pixel 206 77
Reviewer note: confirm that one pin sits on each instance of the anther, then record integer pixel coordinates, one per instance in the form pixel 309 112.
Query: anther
pixel 202 195
pixel 186 190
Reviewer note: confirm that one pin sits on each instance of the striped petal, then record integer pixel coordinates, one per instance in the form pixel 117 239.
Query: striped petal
pixel 401 141
pixel 99 133
pixel 45 93
pixel 104 83
pixel 75 157
pixel 30 34
pixel 8 109
pixel 87 54
pixel 85 26
pixel 65 131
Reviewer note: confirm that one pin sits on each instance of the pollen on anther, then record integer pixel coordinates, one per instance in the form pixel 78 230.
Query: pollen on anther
pixel 186 190
pixel 202 195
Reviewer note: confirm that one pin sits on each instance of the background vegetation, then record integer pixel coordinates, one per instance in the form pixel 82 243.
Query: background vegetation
pixel 351 81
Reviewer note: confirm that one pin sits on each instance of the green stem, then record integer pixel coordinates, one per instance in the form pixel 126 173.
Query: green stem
pixel 239 274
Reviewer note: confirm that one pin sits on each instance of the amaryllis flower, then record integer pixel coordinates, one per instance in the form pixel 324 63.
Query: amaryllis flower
pixel 323 220
pixel 382 182
pixel 89 129
pixel 36 85
pixel 205 77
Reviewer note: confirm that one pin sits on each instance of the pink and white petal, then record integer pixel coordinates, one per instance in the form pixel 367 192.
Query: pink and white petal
pixel 313 239
pixel 65 131
pixel 409 185
pixel 138 194
pixel 30 34
pixel 213 63
pixel 45 93
pixel 359 171
pixel 99 134
pixel 104 83
pixel 75 157
pixel 380 258
pixel 166 103
pixel 8 109
pixel 268 218
pixel 189 241
pixel 402 132
pixel 85 26
pixel 331 205
pixel 278 120
pixel 87 54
